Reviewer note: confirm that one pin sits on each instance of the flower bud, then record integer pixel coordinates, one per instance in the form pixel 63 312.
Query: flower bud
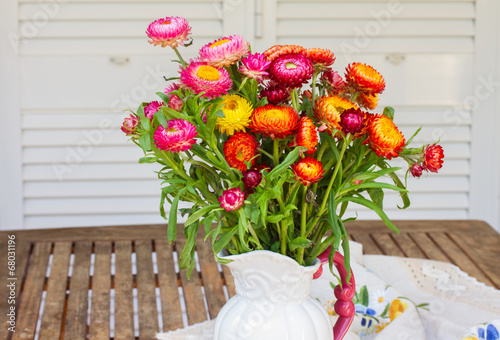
pixel 333 81
pixel 251 178
pixel 416 170
pixel 130 124
pixel 232 199
pixel 175 103
pixel 352 121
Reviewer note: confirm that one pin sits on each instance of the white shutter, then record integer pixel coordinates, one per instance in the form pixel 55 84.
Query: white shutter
pixel 425 50
pixel 80 70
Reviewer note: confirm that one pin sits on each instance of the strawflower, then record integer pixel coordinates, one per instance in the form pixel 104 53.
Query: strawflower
pixel 433 158
pixel 225 51
pixel 232 199
pixel 201 77
pixel 130 125
pixel 367 100
pixel 275 94
pixel 279 50
pixel 308 170
pixel 416 170
pixel 320 57
pixel 255 66
pixel 152 108
pixel 274 121
pixel 353 121
pixel 332 81
pixel 177 137
pixel 306 135
pixel 240 148
pixel 171 31
pixel 291 70
pixel 384 137
pixel 328 110
pixel 237 111
pixel 251 178
pixel 364 78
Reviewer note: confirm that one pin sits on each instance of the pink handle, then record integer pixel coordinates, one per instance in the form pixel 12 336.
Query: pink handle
pixel 344 294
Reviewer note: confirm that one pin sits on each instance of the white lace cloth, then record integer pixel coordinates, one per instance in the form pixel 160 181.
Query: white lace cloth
pixel 402 298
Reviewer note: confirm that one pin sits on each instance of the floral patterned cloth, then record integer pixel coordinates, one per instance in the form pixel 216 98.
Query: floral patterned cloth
pixel 402 299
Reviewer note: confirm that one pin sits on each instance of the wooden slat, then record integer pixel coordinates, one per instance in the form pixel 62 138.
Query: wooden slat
pixel 369 246
pixel 409 248
pixel 53 312
pixel 195 307
pixel 101 285
pixel 212 279
pixel 78 300
pixel 124 308
pixel 458 257
pixel 429 248
pixel 148 314
pixel 168 282
pixel 31 295
pixel 387 244
pixel 229 281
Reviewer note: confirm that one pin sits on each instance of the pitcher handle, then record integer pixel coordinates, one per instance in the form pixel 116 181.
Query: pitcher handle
pixel 344 294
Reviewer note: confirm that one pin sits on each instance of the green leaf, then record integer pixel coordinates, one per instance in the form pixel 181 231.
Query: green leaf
pixel 160 117
pixel 377 196
pixel 186 260
pixel 172 216
pixel 299 242
pixel 148 159
pixel 370 205
pixel 200 213
pixel 413 136
pixel 223 241
pixel 384 313
pixel 283 166
pixel 389 112
pixel 145 143
pixel 275 218
pixel 404 194
pixel 363 296
pixel 163 97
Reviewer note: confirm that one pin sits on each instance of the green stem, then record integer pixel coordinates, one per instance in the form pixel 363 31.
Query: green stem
pixel 295 97
pixel 171 162
pixel 252 232
pixel 276 152
pixel 284 233
pixel 313 88
pixel 180 57
pixel 267 154
pixel 303 225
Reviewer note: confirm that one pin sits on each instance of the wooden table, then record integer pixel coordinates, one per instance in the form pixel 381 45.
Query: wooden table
pixel 125 262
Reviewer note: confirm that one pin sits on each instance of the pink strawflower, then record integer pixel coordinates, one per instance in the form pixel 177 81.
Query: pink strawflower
pixel 255 66
pixel 171 88
pixel 291 70
pixel 224 51
pixel 130 124
pixel 416 170
pixel 152 108
pixel 352 121
pixel 201 77
pixel 333 81
pixel 232 199
pixel 178 136
pixel 175 103
pixel 171 31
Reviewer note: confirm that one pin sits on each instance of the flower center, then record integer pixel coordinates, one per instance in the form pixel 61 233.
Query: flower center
pixel 166 22
pixel 274 114
pixel 172 130
pixel 232 105
pixel 290 66
pixel 208 72
pixel 220 42
pixel 380 299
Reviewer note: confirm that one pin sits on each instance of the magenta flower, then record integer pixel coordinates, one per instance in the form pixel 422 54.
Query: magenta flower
pixel 255 66
pixel 171 31
pixel 175 103
pixel 151 109
pixel 171 88
pixel 416 170
pixel 130 124
pixel 291 70
pixel 251 178
pixel 225 51
pixel 352 121
pixel 333 81
pixel 275 94
pixel 232 199
pixel 201 77
pixel 178 136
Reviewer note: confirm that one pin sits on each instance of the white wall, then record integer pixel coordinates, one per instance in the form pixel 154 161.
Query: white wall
pixel 77 66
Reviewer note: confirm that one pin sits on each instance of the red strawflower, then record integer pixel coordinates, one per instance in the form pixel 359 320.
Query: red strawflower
pixel 353 121
pixel 274 121
pixel 232 199
pixel 251 178
pixel 433 158
pixel 416 170
pixel 364 78
pixel 275 94
pixel 384 138
pixel 308 170
pixel 240 148
pixel 306 135
pixel 332 81
pixel 320 57
pixel 279 50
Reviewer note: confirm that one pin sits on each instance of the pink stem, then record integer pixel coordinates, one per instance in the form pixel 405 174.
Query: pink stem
pixel 344 294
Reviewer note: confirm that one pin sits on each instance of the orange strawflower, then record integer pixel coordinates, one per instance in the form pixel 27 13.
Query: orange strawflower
pixel 279 50
pixel 240 148
pixel 320 57
pixel 308 170
pixel 384 138
pixel 274 121
pixel 328 110
pixel 306 135
pixel 367 100
pixel 364 78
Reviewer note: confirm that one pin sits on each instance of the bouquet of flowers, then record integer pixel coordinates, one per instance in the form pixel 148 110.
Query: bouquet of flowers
pixel 270 148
